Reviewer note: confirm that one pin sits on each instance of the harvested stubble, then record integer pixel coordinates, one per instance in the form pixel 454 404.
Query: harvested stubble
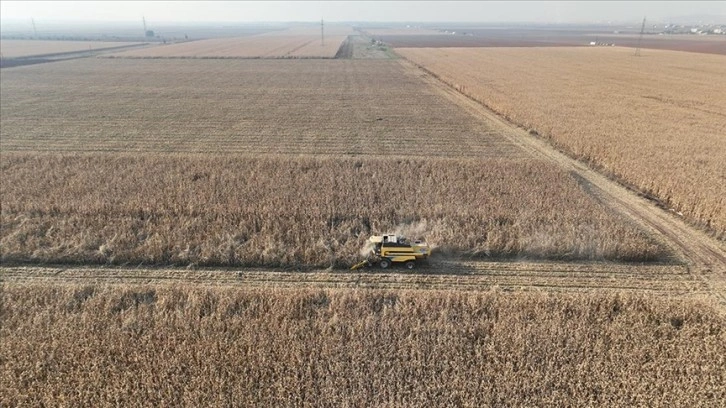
pixel 655 122
pixel 193 346
pixel 291 43
pixel 280 211
pixel 246 106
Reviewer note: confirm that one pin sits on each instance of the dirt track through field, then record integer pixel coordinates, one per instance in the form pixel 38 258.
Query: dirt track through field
pixel 704 257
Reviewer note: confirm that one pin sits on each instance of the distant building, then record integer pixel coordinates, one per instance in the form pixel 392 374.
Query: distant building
pixel 149 33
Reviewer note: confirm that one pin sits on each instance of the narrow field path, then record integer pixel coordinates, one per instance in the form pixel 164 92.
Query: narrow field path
pixel 704 257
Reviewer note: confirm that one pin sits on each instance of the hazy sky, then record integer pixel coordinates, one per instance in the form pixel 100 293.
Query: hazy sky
pixel 424 11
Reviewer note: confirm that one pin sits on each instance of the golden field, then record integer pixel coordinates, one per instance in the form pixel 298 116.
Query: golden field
pixel 655 122
pixel 298 42
pixel 297 212
pixel 182 345
pixel 174 180
pixel 176 231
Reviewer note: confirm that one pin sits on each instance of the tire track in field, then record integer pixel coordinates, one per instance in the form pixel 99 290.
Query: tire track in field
pixel 703 256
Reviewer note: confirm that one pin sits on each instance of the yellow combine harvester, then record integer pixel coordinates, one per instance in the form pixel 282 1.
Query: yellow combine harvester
pixel 391 248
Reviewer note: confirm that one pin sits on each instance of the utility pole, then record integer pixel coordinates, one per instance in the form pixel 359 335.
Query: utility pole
pixel 642 29
pixel 143 19
pixel 35 32
pixel 322 34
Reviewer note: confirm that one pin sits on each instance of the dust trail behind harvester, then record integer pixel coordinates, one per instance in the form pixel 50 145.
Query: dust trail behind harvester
pixel 366 248
pixel 416 230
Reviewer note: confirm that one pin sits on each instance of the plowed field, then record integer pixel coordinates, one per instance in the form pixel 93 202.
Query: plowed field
pixel 496 37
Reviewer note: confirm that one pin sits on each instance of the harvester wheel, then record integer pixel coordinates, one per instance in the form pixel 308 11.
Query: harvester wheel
pixel 385 263
pixel 410 265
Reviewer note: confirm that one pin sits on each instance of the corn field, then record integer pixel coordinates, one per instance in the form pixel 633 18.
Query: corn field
pixel 655 122
pixel 175 222
pixel 186 345
pixel 244 211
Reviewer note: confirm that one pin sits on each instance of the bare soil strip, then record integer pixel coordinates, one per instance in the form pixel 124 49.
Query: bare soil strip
pixel 704 257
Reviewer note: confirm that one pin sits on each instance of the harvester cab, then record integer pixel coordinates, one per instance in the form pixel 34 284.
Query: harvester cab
pixel 388 249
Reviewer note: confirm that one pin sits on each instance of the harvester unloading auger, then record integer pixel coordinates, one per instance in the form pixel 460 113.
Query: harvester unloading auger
pixel 388 249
